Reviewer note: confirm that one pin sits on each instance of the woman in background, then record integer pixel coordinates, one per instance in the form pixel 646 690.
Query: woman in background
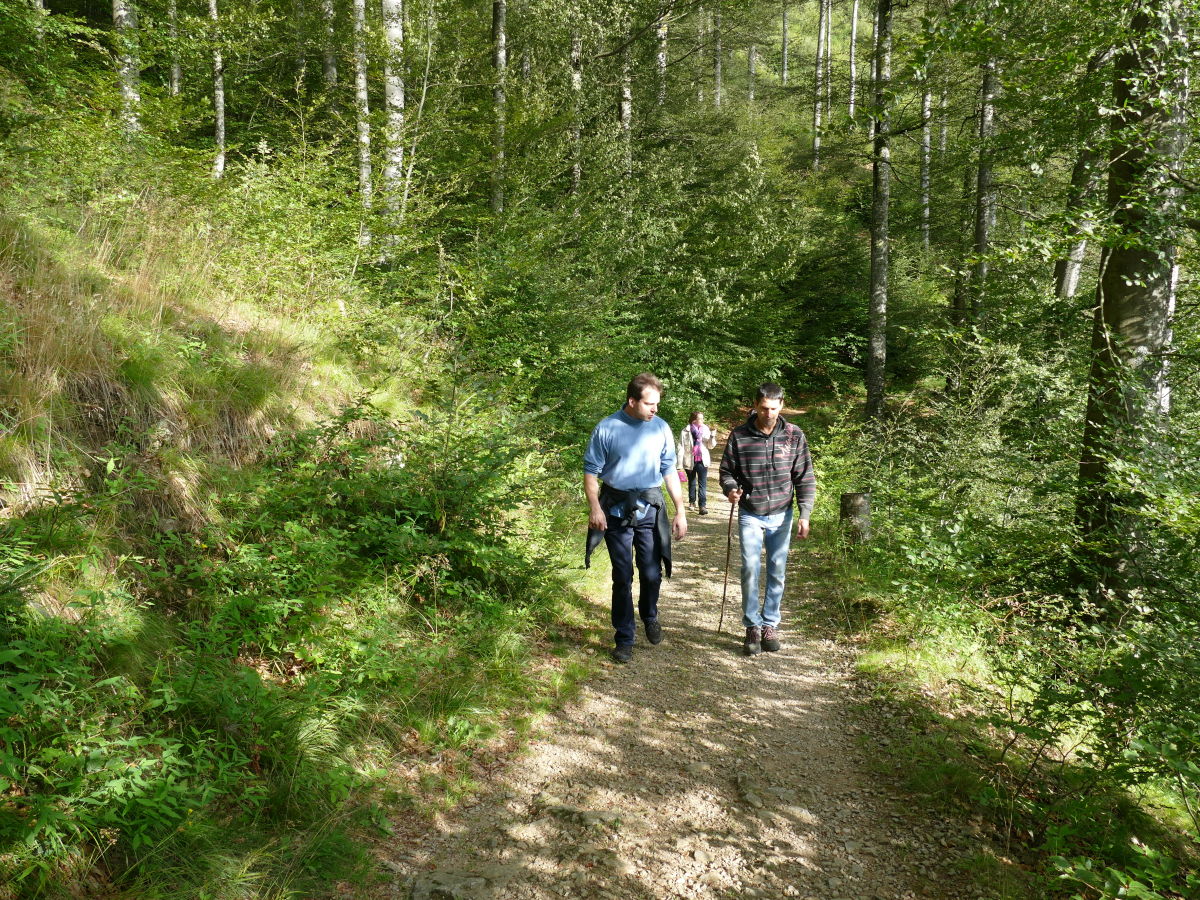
pixel 695 440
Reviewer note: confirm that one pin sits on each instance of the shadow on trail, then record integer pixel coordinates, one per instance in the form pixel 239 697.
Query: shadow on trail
pixel 694 771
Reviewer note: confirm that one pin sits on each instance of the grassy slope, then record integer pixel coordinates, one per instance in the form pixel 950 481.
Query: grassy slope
pixel 237 620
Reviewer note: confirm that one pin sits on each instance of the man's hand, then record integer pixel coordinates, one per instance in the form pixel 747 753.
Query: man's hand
pixel 802 529
pixel 679 525
pixel 734 496
pixel 596 518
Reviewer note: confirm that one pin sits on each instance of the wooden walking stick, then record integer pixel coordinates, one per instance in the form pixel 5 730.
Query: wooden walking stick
pixel 728 548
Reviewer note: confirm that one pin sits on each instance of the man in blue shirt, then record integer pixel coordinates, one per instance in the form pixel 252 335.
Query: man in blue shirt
pixel 631 452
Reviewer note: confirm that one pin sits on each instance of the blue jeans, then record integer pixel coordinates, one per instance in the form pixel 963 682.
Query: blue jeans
pixel 698 484
pixel 775 531
pixel 624 543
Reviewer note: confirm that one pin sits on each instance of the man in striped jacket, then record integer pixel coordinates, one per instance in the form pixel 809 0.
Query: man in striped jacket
pixel 766 463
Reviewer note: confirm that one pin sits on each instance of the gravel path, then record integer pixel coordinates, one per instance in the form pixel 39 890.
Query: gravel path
pixel 696 772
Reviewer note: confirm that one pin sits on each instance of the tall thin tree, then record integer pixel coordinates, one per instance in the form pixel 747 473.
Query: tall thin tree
pixel 853 58
pixel 717 79
pixel 985 191
pixel 499 100
pixel 926 159
pixel 881 196
pixel 128 64
pixel 218 63
pixel 362 105
pixel 394 103
pixel 818 86
pixel 329 70
pixel 176 72
pixel 576 104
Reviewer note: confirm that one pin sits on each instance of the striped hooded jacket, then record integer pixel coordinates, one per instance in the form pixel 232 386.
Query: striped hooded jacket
pixel 769 468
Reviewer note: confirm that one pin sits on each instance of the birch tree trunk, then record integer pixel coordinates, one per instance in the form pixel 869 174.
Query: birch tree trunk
pixel 829 60
pixel 329 54
pixel 881 196
pixel 218 61
pixel 661 61
pixel 625 112
pixel 926 159
pixel 985 197
pixel 818 86
pixel 128 64
pixel 853 58
pixel 576 110
pixel 176 76
pixel 717 87
pixel 1128 393
pixel 783 47
pixel 499 99
pixel 363 113
pixel 393 101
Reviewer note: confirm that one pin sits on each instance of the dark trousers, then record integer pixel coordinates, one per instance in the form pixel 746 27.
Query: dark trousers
pixel 698 484
pixel 625 542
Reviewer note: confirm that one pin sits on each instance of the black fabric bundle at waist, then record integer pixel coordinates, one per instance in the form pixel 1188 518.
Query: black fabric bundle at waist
pixel 610 497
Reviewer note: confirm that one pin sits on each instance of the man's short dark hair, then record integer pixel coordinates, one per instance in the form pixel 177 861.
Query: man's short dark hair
pixel 768 390
pixel 640 383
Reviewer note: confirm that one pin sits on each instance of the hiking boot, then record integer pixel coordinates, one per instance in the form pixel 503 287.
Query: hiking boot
pixel 753 645
pixel 770 638
pixel 704 510
pixel 622 653
pixel 653 631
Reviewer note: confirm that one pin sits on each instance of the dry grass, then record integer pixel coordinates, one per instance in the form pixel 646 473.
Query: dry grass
pixel 137 334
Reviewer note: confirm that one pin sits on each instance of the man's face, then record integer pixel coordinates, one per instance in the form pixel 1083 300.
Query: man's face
pixel 646 407
pixel 767 412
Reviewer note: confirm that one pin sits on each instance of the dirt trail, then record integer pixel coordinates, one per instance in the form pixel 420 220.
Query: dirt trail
pixel 694 771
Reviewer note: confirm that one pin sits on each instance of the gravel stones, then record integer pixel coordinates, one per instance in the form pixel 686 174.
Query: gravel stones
pixel 697 774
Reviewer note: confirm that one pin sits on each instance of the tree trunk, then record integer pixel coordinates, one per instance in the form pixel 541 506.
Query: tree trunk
pixel 926 158
pixel 985 197
pixel 625 112
pixel 218 60
pixel 717 86
pixel 880 205
pixel 393 102
pixel 576 111
pixel 499 99
pixel 818 85
pixel 661 60
pixel 329 54
pixel 783 47
pixel 958 300
pixel 1128 395
pixel 751 71
pixel 363 113
pixel 829 60
pixel 853 57
pixel 1085 180
pixel 176 76
pixel 128 65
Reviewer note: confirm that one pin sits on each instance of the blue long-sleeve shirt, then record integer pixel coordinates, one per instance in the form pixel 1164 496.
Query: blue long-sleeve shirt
pixel 630 454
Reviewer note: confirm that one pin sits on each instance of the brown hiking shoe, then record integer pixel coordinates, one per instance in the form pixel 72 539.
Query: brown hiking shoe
pixel 770 638
pixel 753 645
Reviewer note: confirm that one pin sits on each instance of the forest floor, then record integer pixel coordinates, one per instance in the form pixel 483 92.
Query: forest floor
pixel 694 771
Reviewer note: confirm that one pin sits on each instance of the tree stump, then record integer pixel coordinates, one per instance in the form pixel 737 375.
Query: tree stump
pixel 855 517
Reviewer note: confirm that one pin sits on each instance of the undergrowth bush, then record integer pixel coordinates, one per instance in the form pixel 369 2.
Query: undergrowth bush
pixel 369 582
